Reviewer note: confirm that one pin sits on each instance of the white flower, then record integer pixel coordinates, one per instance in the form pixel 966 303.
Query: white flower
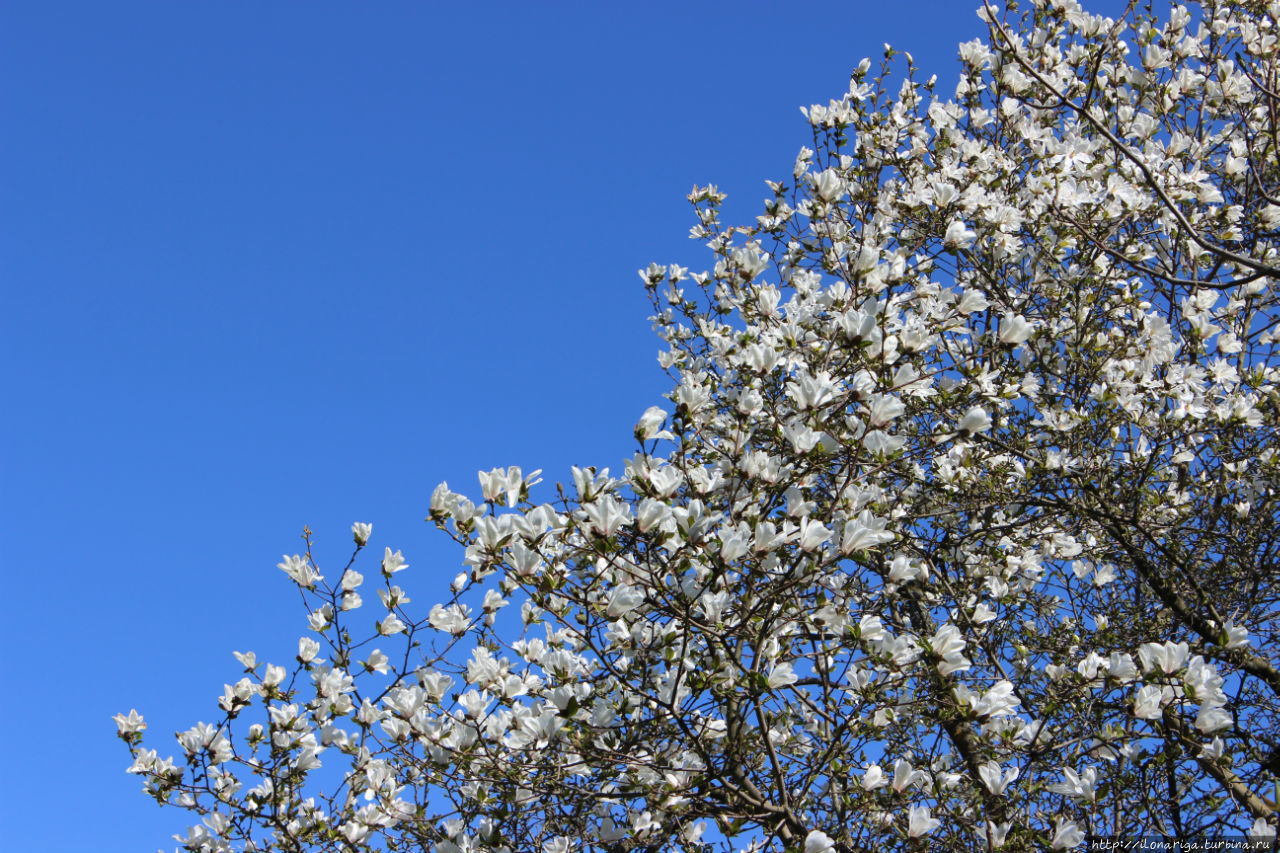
pixel 361 532
pixel 818 841
pixel 454 619
pixel 972 301
pixel 392 563
pixel 1237 635
pixel 1212 717
pixel 904 776
pixel 998 832
pixel 132 724
pixel 1146 702
pixel 622 600
pixel 390 625
pixel 559 844
pixel 994 779
pixel 300 571
pixel 975 420
pixel 377 662
pixel 648 427
pixel 999 701
pixel 1169 657
pixel 354 831
pixel 828 185
pixel 873 777
pixel 507 484
pixel 864 532
pixel 958 235
pixel 1078 787
pixel 1014 329
pixel 1067 834
pixel 307 649
pixel 920 821
pixel 782 675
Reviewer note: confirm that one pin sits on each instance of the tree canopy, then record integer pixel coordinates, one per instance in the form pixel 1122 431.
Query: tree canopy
pixel 959 531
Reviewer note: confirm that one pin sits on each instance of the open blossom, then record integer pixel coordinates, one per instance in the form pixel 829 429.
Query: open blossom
pixel 361 532
pixel 1167 657
pixel 782 675
pixel 818 841
pixel 1066 834
pixel 975 420
pixel 300 571
pixel 994 778
pixel 390 625
pixel 308 648
pixel 1014 329
pixel 454 619
pixel 648 428
pixel 131 724
pixel 873 777
pixel 920 821
pixel 392 563
pixel 958 235
pixel 828 185
pixel 1077 786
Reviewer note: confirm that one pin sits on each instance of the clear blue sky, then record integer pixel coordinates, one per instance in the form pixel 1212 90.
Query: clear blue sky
pixel 275 264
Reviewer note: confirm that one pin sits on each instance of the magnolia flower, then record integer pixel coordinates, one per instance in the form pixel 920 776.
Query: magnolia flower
pixel 864 532
pixel 1067 834
pixel 818 841
pixel 377 662
pixel 975 420
pixel 355 832
pixel 905 776
pixel 1212 717
pixel 1078 787
pixel 1169 657
pixel 997 832
pixel 920 821
pixel 994 779
pixel 454 619
pixel 507 484
pixel 873 777
pixel 128 725
pixel 782 675
pixel 308 648
pixel 1146 702
pixel 828 185
pixel 1014 329
pixel 1237 635
pixel 607 515
pixel 972 301
pixel 622 600
pixel 958 235
pixel 361 532
pixel 813 534
pixel 392 563
pixel 390 625
pixel 300 571
pixel 999 701
pixel 559 844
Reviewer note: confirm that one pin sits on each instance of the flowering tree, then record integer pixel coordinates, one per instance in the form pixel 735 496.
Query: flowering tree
pixel 961 532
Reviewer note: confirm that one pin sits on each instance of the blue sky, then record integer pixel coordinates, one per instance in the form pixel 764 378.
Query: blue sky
pixel 275 264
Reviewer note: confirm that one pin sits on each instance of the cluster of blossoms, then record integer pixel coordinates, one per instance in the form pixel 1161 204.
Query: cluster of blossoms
pixel 959 532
